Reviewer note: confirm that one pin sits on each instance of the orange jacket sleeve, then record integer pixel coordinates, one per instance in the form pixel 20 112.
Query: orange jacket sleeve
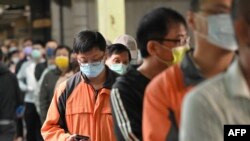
pixel 51 130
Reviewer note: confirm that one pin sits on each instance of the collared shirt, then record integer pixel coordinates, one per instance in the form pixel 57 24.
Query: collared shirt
pixel 224 99
pixel 27 81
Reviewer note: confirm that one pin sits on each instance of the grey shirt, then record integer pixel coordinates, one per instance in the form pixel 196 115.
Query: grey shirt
pixel 224 99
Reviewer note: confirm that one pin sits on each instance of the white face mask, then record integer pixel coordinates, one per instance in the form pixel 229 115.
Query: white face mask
pixel 15 60
pixel 220 32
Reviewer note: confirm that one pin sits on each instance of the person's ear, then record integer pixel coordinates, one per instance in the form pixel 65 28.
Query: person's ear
pixel 107 60
pixel 241 34
pixel 191 20
pixel 105 57
pixel 152 48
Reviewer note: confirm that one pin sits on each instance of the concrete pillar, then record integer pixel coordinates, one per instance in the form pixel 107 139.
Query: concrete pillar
pixel 111 18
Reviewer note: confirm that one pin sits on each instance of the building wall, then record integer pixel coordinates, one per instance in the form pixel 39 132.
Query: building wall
pixel 83 15
pixel 79 16
pixel 135 9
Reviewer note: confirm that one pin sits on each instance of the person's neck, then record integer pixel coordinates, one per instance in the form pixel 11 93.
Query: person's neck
pixel 97 82
pixel 64 71
pixel 36 61
pixel 211 60
pixel 149 68
pixel 50 62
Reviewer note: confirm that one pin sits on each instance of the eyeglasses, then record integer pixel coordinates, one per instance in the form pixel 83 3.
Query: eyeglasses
pixel 182 41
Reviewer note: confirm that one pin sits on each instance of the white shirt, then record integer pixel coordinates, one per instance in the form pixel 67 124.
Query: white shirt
pixel 27 81
pixel 224 99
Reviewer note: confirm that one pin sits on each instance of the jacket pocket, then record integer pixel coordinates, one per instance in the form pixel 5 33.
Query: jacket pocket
pixel 79 109
pixel 106 110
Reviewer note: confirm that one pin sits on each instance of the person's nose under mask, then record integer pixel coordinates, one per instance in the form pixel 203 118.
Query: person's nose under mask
pixel 220 31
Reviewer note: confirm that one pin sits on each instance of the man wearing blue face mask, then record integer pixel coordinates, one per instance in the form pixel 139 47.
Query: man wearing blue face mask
pixel 81 105
pixel 214 46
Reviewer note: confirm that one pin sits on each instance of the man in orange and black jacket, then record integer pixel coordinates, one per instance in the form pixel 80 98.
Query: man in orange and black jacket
pixel 81 105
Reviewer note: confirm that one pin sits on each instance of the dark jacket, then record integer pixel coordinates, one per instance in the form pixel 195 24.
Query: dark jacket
pixel 9 94
pixel 47 91
pixel 40 67
pixel 127 100
pixel 19 64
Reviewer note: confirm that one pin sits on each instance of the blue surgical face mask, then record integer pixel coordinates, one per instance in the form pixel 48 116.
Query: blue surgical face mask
pixel 220 32
pixel 119 68
pixel 92 70
pixel 50 52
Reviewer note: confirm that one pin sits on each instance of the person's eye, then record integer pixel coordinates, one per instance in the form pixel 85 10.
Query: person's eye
pixel 117 61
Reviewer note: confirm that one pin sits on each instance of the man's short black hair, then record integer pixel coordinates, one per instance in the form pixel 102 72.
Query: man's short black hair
pixel 52 40
pixel 63 47
pixel 156 24
pixel 84 41
pixel 27 39
pixel 39 42
pixel 116 49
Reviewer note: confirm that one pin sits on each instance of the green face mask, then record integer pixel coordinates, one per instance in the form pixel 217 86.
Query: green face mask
pixel 178 54
pixel 118 68
pixel 36 54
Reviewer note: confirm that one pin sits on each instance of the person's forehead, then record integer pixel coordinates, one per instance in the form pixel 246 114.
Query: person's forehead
pixel 51 44
pixel 37 46
pixel 177 30
pixel 215 4
pixel 123 55
pixel 95 52
pixel 62 51
pixel 28 42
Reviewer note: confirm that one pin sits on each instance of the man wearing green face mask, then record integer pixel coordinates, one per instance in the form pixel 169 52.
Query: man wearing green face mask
pixel 213 53
pixel 28 84
pixel 118 57
pixel 159 32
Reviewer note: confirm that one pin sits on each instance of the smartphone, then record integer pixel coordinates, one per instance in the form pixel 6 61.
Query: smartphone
pixel 80 137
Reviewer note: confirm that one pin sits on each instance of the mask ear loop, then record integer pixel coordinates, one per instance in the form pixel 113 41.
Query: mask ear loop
pixel 168 63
